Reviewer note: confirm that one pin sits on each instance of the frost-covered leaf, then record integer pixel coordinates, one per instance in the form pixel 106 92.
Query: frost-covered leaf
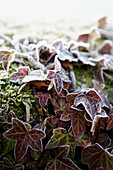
pixel 57 79
pixel 6 57
pixel 35 75
pixel 6 164
pixel 110 122
pixel 19 75
pixel 77 121
pixel 60 162
pixel 63 53
pixel 96 156
pixel 108 62
pixel 85 59
pixel 24 138
pixel 43 98
pixel 89 101
pixel 102 114
pixel 60 138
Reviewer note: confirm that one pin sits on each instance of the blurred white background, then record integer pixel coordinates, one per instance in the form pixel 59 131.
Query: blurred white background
pixel 51 9
pixel 51 19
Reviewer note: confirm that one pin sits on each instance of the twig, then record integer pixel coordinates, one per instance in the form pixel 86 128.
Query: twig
pixel 27 112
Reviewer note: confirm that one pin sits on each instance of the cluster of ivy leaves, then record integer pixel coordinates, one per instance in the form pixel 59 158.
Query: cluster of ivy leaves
pixel 48 121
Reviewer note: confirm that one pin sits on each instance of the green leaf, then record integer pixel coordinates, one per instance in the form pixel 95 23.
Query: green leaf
pixel 60 138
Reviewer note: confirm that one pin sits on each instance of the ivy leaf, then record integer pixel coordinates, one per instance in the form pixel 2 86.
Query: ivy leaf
pixel 102 114
pixel 6 164
pixel 19 75
pixel 43 98
pixel 60 138
pixel 35 75
pixel 6 57
pixel 110 122
pixel 77 121
pixel 63 53
pixel 89 101
pixel 24 138
pixel 59 104
pixel 59 161
pixel 96 156
pixel 58 78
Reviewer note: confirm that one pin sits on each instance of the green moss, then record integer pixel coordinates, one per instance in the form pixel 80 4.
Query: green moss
pixel 83 76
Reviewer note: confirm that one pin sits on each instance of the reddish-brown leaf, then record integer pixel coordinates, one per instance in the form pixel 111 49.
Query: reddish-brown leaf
pixel 89 100
pixel 59 161
pixel 77 121
pixel 57 78
pixel 19 75
pixel 96 156
pixel 24 138
pixel 43 98
pixel 102 114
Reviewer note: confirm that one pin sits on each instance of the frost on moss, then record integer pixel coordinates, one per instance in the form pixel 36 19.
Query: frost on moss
pixel 10 99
